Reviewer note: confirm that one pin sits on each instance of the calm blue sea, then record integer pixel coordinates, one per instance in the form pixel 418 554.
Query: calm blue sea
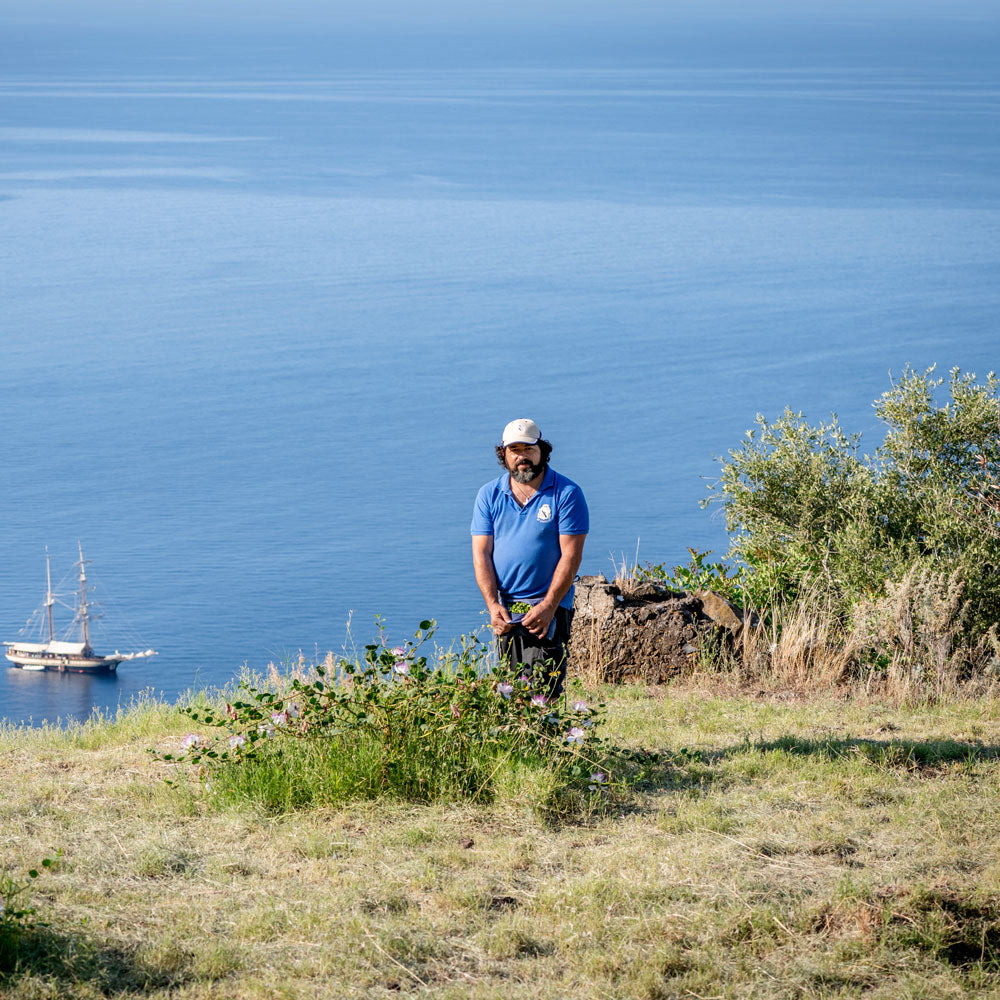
pixel 263 317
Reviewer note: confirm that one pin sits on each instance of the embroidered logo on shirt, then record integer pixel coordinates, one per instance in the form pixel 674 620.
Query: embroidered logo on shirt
pixel 545 512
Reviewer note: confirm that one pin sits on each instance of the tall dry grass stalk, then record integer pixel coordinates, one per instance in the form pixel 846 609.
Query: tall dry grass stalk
pixel 626 574
pixel 593 672
pixel 801 643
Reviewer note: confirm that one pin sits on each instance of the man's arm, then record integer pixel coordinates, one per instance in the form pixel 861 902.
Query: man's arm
pixel 538 619
pixel 486 577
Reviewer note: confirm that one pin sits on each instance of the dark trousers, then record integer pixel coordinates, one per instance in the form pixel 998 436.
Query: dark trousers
pixel 519 647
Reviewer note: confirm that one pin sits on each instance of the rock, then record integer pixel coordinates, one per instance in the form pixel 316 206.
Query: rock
pixel 596 595
pixel 648 634
pixel 720 611
pixel 651 590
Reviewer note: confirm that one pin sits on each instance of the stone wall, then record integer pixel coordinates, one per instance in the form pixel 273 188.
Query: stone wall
pixel 649 634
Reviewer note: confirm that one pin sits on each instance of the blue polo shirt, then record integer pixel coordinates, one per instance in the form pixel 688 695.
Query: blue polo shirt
pixel 526 539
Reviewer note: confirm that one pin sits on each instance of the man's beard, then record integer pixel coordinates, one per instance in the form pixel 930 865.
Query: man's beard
pixel 526 474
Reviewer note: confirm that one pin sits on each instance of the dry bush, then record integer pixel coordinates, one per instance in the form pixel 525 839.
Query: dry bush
pixel 907 645
pixel 912 637
pixel 923 615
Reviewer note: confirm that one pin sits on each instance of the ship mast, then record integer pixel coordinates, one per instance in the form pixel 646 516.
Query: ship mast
pixel 84 617
pixel 49 599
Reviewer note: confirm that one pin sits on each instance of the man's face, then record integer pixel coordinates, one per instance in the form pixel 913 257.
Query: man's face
pixel 524 462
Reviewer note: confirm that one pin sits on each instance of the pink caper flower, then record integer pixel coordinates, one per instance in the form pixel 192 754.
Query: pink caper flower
pixel 580 706
pixel 191 740
pixel 505 690
pixel 237 741
pixel 403 668
pixel 598 777
pixel 539 700
pixel 524 679
pixel 575 735
pixel 292 710
pixel 279 718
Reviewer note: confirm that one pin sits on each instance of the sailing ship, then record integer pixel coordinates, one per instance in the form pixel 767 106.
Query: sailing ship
pixel 68 657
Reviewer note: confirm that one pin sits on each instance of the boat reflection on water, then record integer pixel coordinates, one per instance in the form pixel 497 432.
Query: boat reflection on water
pixel 58 697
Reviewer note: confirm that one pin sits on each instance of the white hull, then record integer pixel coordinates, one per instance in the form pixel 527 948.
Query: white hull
pixel 63 664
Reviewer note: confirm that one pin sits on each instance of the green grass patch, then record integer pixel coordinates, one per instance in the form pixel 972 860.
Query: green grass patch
pixel 821 848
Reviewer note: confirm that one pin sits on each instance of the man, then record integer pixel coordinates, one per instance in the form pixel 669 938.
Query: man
pixel 528 530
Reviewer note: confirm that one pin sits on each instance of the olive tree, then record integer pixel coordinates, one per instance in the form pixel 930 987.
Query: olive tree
pixel 803 503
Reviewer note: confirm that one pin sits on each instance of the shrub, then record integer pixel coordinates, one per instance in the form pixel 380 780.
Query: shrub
pixel 395 724
pixel 805 507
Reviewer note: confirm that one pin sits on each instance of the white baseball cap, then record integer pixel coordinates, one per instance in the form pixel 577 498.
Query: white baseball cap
pixel 522 431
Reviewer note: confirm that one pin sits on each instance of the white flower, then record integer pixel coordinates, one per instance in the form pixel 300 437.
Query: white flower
pixel 539 700
pixel 580 706
pixel 266 730
pixel 292 710
pixel 237 741
pixel 505 690
pixel 575 735
pixel 191 740
pixel 403 668
pixel 279 718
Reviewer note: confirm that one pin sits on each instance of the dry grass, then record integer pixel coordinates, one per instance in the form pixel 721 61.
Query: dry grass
pixel 814 848
pixel 800 645
pixel 906 647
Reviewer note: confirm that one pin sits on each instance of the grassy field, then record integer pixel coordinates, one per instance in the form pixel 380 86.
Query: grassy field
pixel 784 847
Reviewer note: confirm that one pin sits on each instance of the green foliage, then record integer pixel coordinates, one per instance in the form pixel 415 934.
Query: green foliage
pixel 806 507
pixel 16 914
pixel 395 724
pixel 698 575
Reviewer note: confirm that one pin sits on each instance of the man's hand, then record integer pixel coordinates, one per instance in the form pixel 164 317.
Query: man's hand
pixel 499 620
pixel 538 619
